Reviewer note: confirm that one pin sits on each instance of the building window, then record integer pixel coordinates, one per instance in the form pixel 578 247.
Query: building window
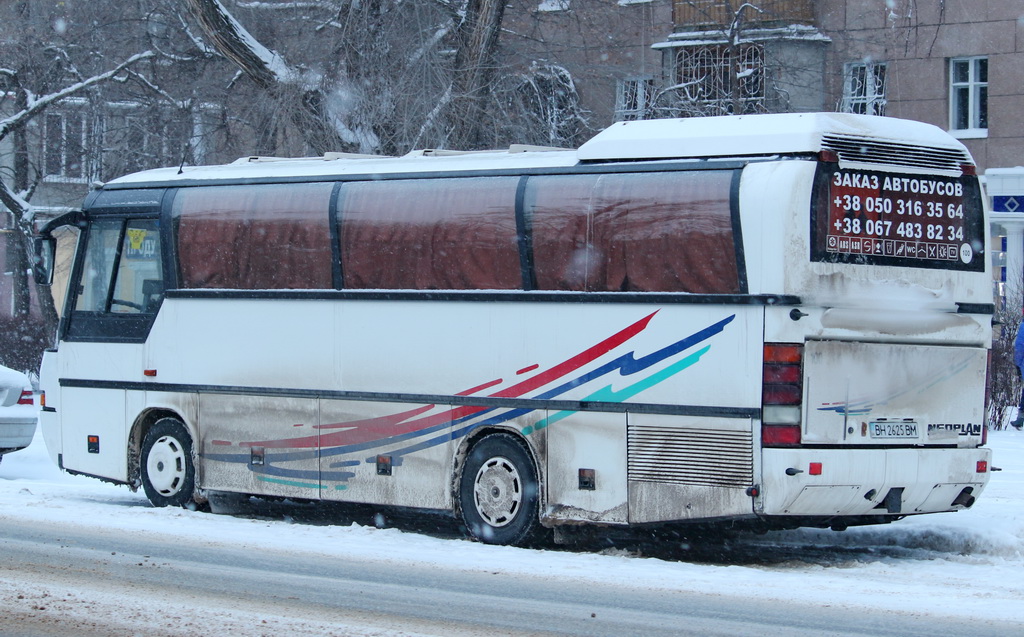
pixel 634 98
pixel 720 80
pixel 138 139
pixel 66 136
pixel 968 95
pixel 864 89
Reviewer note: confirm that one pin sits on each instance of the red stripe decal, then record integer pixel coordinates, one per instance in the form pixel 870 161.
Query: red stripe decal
pixel 577 361
pixel 358 431
pixel 469 392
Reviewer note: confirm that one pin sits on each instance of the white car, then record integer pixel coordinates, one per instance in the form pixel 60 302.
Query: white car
pixel 18 411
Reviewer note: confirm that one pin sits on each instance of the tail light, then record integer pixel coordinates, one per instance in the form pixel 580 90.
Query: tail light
pixel 782 391
pixel 27 398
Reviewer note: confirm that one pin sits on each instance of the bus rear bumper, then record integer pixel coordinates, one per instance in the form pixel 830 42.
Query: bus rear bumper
pixel 870 482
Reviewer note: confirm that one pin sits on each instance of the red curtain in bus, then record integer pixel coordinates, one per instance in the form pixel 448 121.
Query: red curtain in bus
pixel 265 237
pixel 645 232
pixel 430 234
pixel 566 253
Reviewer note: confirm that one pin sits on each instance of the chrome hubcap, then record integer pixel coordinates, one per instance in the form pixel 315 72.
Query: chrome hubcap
pixel 165 466
pixel 498 491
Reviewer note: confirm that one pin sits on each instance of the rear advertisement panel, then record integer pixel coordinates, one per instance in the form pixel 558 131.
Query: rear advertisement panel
pixel 921 221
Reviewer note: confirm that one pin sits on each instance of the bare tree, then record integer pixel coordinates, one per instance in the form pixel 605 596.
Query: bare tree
pixel 476 41
pixel 395 75
pixel 41 66
pixel 268 69
pixel 541 105
pixel 15 196
pixel 1004 378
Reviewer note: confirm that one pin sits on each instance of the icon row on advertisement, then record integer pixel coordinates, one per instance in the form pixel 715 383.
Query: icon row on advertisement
pixel 893 248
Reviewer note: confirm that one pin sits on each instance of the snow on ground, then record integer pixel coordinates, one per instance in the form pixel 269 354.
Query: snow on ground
pixel 967 564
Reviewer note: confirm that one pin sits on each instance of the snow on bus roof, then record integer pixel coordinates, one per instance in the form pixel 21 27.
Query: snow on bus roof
pixel 690 138
pixel 340 164
pixel 746 135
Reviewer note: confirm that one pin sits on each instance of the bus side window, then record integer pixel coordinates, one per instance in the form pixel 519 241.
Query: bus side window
pixel 139 282
pixel 264 237
pixel 634 232
pixel 430 234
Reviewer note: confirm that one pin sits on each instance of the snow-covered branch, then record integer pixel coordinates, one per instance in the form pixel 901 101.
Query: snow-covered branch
pixel 179 104
pixel 288 6
pixel 197 41
pixel 270 72
pixel 737 21
pixel 264 66
pixel 431 117
pixel 204 49
pixel 37 104
pixel 440 34
pixel 14 201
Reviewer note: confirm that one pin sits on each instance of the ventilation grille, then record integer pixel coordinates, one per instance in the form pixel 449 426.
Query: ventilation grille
pixel 871 151
pixel 690 456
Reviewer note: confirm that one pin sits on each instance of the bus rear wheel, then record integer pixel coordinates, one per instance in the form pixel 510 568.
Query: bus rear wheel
pixel 168 471
pixel 498 492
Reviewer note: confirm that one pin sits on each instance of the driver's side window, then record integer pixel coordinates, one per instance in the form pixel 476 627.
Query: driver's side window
pixel 127 257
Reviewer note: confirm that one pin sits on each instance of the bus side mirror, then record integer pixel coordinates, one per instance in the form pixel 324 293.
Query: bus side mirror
pixel 46 248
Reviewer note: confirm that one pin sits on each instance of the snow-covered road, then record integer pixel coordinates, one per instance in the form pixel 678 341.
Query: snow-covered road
pixel 963 568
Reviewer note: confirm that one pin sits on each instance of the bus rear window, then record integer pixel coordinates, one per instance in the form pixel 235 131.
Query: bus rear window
pixel 921 221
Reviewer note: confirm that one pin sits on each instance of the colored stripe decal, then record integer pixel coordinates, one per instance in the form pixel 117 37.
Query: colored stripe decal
pixel 290 483
pixel 429 425
pixel 608 394
pixel 376 428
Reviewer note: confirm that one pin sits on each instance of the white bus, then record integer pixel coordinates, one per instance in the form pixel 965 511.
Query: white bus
pixel 766 320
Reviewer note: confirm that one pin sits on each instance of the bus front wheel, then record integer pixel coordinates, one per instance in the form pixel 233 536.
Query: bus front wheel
pixel 498 492
pixel 168 471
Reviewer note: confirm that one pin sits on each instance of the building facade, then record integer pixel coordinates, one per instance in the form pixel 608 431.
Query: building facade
pixel 731 58
pixel 606 46
pixel 957 64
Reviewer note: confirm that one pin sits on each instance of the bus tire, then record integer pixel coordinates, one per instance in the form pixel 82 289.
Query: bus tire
pixel 168 470
pixel 498 492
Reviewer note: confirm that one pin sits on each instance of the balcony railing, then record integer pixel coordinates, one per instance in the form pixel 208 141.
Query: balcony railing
pixel 706 14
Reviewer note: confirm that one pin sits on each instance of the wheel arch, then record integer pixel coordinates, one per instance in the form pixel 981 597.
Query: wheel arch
pixel 473 438
pixel 143 422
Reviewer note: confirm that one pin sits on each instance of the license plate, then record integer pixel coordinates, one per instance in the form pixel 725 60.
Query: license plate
pixel 893 429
